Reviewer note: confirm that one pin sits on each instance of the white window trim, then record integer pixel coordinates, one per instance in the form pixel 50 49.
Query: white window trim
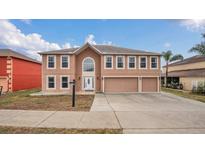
pixel 105 58
pixel 128 61
pixel 84 72
pixel 151 62
pixel 123 62
pixel 47 82
pixel 140 62
pixel 62 61
pixel 54 61
pixel 68 76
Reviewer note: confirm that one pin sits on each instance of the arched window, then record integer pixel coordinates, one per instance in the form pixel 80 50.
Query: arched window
pixel 88 65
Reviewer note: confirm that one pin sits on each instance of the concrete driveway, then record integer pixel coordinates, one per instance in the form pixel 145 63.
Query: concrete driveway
pixel 134 113
pixel 154 113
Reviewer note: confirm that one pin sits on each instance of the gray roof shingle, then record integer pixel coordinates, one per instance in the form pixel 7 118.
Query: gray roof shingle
pixel 186 73
pixel 63 51
pixel 11 53
pixel 105 49
pixel 194 59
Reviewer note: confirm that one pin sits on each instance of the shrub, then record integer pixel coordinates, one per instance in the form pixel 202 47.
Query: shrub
pixel 200 89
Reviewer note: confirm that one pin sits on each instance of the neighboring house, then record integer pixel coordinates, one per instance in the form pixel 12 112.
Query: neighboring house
pixel 189 72
pixel 100 68
pixel 18 72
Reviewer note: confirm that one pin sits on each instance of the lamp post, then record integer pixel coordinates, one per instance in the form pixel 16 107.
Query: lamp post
pixel 73 92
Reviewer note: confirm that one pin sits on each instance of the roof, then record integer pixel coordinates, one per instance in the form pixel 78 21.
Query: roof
pixel 107 49
pixel 187 73
pixel 194 59
pixel 63 51
pixel 11 53
pixel 104 49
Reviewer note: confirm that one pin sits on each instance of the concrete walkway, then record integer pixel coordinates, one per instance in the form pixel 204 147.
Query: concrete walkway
pixel 100 117
pixel 134 113
pixel 100 103
pixel 58 119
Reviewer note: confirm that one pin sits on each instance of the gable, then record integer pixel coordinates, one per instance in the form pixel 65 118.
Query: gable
pixel 86 46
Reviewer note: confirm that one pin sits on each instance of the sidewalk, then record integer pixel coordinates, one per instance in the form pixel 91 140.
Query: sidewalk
pixel 141 113
pixel 101 116
pixel 59 119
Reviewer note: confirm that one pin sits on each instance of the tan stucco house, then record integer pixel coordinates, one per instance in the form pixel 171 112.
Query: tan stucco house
pixel 100 68
pixel 189 72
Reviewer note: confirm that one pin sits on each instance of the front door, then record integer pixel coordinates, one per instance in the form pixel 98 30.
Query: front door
pixel 88 83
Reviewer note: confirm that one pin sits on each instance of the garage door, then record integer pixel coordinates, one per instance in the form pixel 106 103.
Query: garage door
pixel 120 84
pixel 4 83
pixel 149 84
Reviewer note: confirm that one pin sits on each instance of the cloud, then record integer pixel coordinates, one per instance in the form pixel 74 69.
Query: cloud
pixel 167 45
pixel 107 43
pixel 193 24
pixel 90 39
pixel 76 46
pixel 30 44
pixel 66 45
pixel 26 21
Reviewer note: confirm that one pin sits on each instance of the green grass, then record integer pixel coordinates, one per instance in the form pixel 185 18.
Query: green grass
pixel 30 130
pixel 185 94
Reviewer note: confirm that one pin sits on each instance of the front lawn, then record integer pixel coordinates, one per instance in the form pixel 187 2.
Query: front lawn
pixel 30 130
pixel 185 94
pixel 21 100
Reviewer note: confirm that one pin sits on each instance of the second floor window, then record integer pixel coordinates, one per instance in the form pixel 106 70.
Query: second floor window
pixel 131 61
pixel 143 62
pixel 88 65
pixel 120 62
pixel 108 61
pixel 51 61
pixel 153 62
pixel 65 61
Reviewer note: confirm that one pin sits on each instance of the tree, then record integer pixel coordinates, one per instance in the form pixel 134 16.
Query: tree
pixel 199 48
pixel 167 56
pixel 177 57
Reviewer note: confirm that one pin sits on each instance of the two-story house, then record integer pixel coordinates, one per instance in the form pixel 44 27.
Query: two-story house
pixel 190 72
pixel 100 68
pixel 18 72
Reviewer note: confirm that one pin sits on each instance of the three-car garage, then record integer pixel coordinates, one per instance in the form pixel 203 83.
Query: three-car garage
pixel 130 84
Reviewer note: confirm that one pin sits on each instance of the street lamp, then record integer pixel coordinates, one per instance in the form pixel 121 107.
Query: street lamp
pixel 73 92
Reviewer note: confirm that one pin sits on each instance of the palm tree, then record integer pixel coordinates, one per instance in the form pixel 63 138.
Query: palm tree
pixel 167 56
pixel 177 57
pixel 199 48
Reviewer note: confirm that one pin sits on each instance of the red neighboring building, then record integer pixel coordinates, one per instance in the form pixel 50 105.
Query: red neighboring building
pixel 18 72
